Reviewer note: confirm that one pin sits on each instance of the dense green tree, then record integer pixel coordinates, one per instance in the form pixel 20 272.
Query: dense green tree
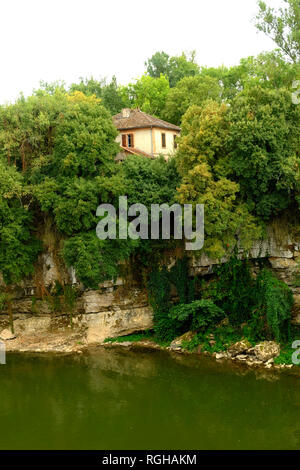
pixel 89 86
pixel 111 97
pixel 67 185
pixel 150 181
pixel 202 162
pixel 264 148
pixel 27 128
pixel 203 137
pixel 144 181
pixel 269 70
pixel 18 246
pixel 283 26
pixel 182 66
pixel 190 91
pixel 148 93
pixel 64 144
pixel 109 93
pixel 175 68
pixel 158 64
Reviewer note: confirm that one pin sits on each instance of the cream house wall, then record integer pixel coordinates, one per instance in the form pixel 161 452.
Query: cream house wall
pixel 169 149
pixel 142 139
pixel 150 140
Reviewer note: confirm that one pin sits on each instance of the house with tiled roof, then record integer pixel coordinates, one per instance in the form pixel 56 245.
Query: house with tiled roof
pixel 142 134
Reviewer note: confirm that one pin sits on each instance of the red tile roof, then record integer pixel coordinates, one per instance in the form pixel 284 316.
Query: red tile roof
pixel 138 119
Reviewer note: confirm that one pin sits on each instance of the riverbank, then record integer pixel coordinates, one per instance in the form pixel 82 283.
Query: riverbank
pixel 251 358
pixel 71 341
pixel 47 342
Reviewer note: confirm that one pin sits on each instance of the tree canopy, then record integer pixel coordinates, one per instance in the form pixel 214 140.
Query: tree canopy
pixel 238 154
pixel 175 68
pixel 283 26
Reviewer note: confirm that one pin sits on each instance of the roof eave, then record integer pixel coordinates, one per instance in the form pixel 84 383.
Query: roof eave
pixel 178 129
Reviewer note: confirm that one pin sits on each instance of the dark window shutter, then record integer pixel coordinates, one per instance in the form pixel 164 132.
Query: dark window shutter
pixel 175 142
pixel 124 140
pixel 132 140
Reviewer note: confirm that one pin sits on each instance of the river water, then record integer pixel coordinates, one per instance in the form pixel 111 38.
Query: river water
pixel 119 399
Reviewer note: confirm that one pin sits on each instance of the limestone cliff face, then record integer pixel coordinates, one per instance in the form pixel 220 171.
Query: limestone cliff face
pixel 114 309
pixel 117 308
pixel 283 254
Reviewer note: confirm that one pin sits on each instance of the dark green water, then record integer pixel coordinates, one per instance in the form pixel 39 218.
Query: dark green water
pixel 112 399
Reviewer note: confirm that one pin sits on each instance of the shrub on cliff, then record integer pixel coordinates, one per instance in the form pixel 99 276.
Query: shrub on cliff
pixel 198 315
pixel 271 315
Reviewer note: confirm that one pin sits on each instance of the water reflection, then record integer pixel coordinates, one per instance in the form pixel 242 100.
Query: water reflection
pixel 129 400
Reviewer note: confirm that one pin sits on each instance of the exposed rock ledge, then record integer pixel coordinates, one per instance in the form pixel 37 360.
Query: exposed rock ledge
pixel 116 309
pixel 109 312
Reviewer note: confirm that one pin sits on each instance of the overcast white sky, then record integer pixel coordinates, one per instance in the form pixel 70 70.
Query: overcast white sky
pixel 67 39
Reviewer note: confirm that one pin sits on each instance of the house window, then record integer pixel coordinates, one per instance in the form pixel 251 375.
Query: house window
pixel 163 140
pixel 130 140
pixel 174 141
pixel 127 140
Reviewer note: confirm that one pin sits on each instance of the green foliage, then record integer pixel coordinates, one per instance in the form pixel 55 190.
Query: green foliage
pixel 84 139
pixel 223 337
pixel 64 144
pixel 179 277
pixel 286 351
pixel 3 301
pixel 283 26
pixel 159 296
pixel 199 314
pixel 269 70
pixel 190 91
pixel 202 162
pixel 141 336
pixel 26 128
pixel 170 321
pixel 70 295
pixel 274 301
pixel 61 299
pixel 238 155
pixel 175 68
pixel 71 201
pixel 262 304
pixel 232 289
pixel 158 64
pixel 146 181
pixel 166 324
pixel 89 86
pixel 263 145
pixel 34 304
pixel 18 247
pixel 96 260
pixel 109 93
pixel 257 308
pixel 148 93
pixel 285 357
